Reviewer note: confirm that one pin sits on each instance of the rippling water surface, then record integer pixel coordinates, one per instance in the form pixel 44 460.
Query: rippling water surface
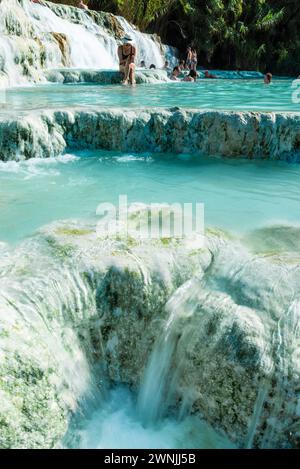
pixel 239 195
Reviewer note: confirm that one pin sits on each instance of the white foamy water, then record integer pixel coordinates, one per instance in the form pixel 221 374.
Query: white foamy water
pixel 36 166
pixel 90 46
pixel 117 424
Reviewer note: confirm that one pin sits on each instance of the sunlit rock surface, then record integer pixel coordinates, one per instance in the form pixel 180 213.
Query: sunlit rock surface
pixel 205 319
pixel 228 133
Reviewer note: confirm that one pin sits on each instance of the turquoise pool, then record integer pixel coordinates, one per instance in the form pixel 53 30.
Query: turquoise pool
pixel 220 94
pixel 238 195
pixel 113 339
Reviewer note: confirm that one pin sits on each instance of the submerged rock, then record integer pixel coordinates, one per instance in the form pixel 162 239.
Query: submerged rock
pixel 274 240
pixel 204 327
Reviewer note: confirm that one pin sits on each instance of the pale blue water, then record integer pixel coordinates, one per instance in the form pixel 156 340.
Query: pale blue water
pixel 239 195
pixel 205 94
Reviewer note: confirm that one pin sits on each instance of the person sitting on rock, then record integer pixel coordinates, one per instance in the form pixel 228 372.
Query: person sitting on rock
pixel 175 74
pixel 192 76
pixel 268 78
pixel 167 65
pixel 143 65
pixel 127 55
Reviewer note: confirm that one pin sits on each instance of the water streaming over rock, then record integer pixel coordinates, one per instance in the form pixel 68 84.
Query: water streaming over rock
pixel 210 330
pixel 208 323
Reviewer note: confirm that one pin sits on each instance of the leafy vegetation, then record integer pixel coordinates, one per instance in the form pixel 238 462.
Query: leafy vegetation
pixel 248 34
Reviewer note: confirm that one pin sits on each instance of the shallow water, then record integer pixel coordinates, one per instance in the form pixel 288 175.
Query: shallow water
pixel 220 94
pixel 36 192
pixel 238 195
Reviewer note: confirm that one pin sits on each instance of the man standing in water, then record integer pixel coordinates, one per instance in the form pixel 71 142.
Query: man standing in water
pixel 127 55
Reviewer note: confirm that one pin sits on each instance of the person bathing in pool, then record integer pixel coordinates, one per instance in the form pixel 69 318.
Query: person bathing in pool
pixel 192 76
pixel 268 78
pixel 127 55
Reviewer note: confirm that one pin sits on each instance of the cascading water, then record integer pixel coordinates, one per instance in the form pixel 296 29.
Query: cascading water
pixel 160 380
pixel 90 46
pixel 166 380
pixel 34 38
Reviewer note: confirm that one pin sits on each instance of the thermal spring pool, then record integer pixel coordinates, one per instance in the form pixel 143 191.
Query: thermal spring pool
pixel 112 336
pixel 223 94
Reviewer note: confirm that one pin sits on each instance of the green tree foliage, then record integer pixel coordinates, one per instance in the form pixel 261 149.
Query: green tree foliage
pixel 253 34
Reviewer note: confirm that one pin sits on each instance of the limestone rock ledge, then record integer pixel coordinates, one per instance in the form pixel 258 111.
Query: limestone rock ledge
pixel 232 134
pixel 105 77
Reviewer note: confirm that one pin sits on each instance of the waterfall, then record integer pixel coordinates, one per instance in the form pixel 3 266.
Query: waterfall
pixel 45 335
pixel 35 38
pixel 160 380
pixel 90 46
pixel 66 323
pixel 199 309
